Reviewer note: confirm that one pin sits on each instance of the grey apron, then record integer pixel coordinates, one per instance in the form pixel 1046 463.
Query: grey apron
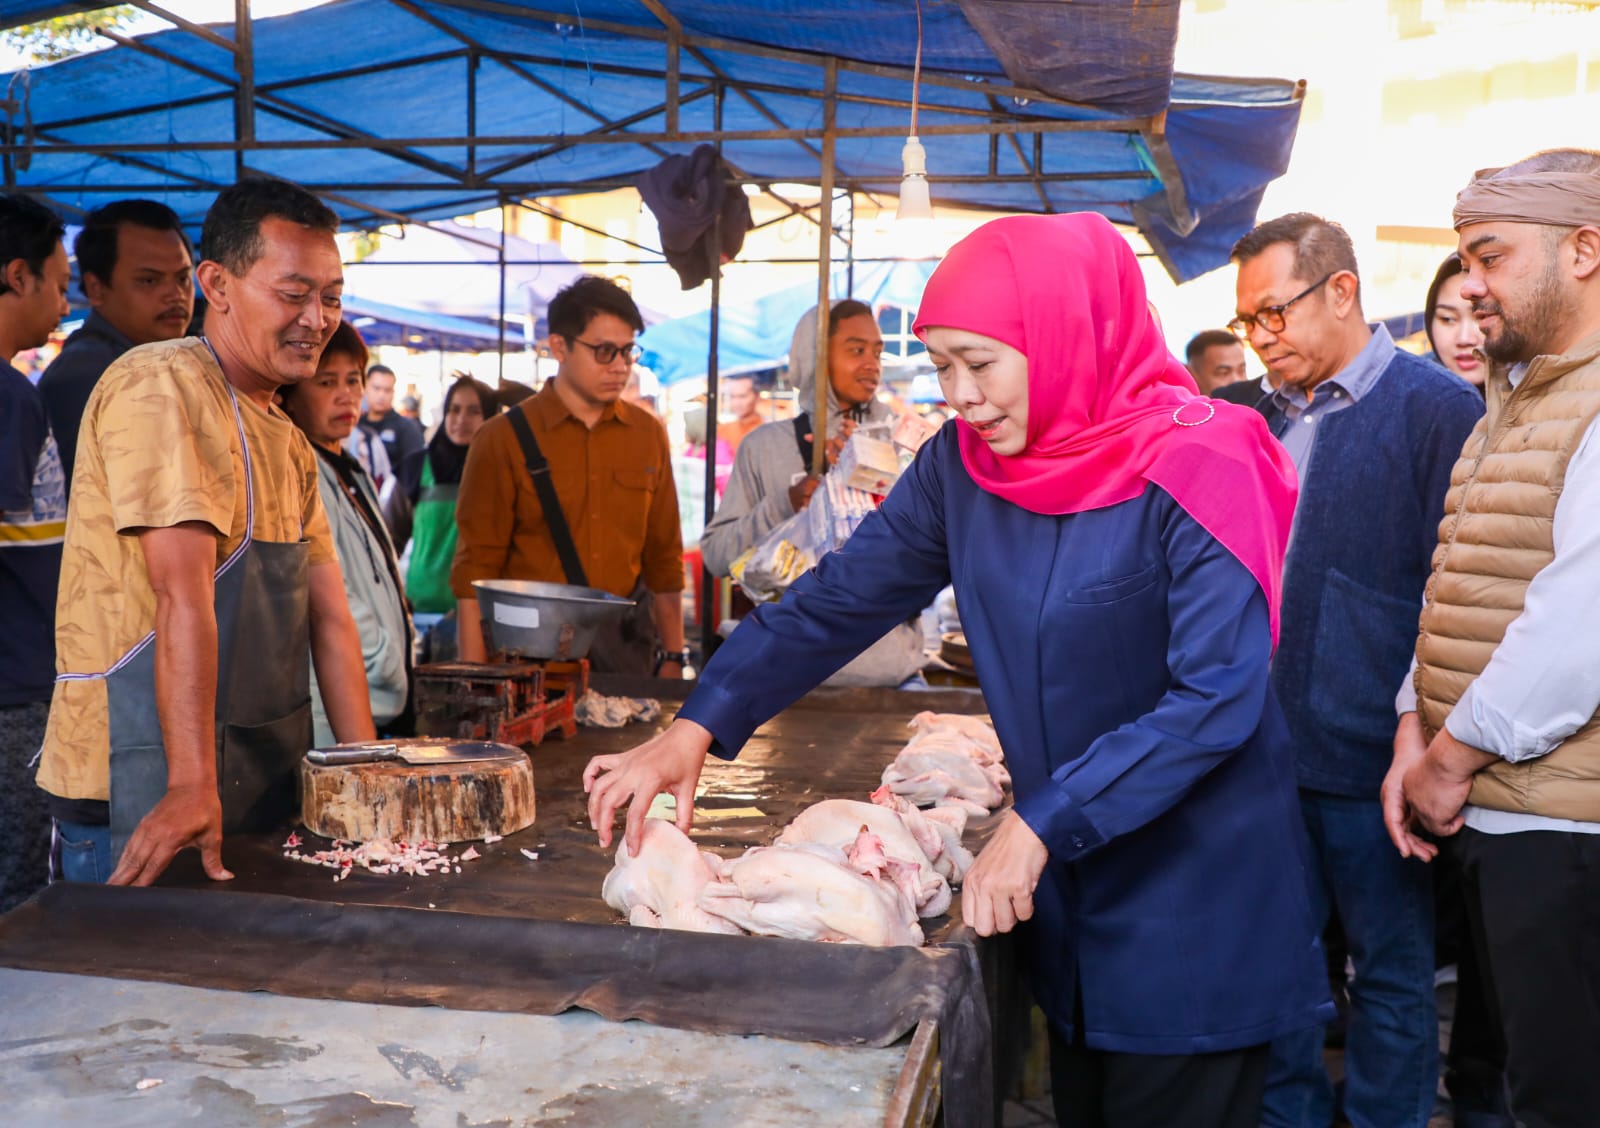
pixel 263 711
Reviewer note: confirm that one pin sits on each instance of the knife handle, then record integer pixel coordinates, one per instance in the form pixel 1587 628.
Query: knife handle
pixel 359 754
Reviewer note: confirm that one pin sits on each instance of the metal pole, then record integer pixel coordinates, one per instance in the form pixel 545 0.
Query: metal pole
pixel 708 584
pixel 819 417
pixel 850 252
pixel 244 98
pixel 502 353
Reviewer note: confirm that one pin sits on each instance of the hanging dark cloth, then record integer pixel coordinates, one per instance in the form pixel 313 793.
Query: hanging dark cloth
pixel 687 195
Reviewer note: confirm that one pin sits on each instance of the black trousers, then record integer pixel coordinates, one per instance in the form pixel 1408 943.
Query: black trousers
pixel 1534 903
pixel 1099 1089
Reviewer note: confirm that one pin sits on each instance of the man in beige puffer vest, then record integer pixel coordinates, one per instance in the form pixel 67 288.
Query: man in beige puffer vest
pixel 1499 738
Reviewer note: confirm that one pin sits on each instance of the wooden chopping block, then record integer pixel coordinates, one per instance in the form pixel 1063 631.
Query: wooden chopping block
pixel 451 802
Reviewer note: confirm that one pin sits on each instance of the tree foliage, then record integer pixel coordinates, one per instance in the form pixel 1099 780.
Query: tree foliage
pixel 65 36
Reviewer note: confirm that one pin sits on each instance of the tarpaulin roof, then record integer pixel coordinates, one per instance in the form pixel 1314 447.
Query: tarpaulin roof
pixel 432 108
pixel 755 334
pixel 452 269
pixel 380 323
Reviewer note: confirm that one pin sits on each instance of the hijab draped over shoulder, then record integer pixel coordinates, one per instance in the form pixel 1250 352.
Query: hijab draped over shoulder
pixel 1109 408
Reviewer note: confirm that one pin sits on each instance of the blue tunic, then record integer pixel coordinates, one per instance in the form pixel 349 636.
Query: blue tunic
pixel 1124 658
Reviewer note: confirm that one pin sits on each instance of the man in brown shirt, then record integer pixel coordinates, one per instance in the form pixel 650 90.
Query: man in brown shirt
pixel 610 465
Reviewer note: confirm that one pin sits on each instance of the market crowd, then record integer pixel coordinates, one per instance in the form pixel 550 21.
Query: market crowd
pixel 1291 672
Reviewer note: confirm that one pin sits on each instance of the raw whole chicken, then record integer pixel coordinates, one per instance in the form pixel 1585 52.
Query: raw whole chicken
pixel 975 729
pixel 660 887
pixel 929 772
pixel 951 859
pixel 810 892
pixel 838 822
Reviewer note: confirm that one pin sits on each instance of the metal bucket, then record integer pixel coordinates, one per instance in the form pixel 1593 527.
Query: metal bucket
pixel 548 622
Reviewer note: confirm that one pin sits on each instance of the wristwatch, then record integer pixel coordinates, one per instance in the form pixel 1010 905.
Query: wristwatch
pixel 664 656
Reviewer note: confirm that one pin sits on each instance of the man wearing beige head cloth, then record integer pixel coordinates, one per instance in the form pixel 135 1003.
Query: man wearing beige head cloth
pixel 1499 736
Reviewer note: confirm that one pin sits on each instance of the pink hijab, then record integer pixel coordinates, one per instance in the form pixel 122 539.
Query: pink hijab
pixel 1109 408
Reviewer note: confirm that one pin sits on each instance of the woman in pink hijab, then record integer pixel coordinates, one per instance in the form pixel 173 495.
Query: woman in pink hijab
pixel 1116 543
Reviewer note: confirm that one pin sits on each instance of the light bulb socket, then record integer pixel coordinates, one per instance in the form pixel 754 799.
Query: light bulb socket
pixel 914 158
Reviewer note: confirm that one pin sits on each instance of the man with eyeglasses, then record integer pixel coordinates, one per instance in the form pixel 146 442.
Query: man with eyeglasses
pixel 1373 432
pixel 605 514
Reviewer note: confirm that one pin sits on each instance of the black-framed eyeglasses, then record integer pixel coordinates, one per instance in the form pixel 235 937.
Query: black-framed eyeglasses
pixel 1271 318
pixel 605 352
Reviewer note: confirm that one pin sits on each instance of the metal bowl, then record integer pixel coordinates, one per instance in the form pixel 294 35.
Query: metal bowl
pixel 549 622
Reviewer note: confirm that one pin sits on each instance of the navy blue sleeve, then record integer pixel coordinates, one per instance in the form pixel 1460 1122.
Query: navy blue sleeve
pixel 889 569
pixel 1218 653
pixel 66 387
pixel 22 434
pixel 1450 422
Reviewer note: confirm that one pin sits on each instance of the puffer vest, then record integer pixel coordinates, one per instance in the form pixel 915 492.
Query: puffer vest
pixel 1496 535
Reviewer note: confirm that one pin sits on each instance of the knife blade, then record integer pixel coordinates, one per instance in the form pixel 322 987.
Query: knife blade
pixel 414 750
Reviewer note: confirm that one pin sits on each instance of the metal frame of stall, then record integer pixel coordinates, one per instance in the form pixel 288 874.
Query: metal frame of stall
pixel 1024 137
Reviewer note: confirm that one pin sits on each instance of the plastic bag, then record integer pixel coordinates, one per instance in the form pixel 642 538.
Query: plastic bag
pixel 766 570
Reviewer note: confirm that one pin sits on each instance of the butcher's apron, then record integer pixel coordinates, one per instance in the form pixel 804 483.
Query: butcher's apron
pixel 263 711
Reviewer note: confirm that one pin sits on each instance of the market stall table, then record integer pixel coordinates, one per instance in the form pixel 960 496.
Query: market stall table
pixel 518 934
pixel 76 1049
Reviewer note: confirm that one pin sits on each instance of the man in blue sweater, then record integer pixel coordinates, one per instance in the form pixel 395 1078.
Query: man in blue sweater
pixel 1373 432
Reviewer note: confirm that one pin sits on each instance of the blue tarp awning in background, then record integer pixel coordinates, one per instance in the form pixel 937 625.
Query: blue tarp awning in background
pixel 380 323
pixel 433 108
pixel 453 269
pixel 755 335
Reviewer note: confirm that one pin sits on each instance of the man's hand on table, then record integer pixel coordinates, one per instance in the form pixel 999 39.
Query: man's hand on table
pixel 998 890
pixel 186 816
pixel 1410 749
pixel 670 762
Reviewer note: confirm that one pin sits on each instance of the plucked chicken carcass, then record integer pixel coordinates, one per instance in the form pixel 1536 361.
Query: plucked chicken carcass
pixel 810 892
pixel 837 823
pixel 937 771
pixel 660 887
pixel 975 729
pixel 945 825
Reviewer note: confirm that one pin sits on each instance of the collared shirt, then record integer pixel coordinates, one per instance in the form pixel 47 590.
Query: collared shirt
pixel 614 482
pixel 1538 687
pixel 1301 413
pixel 72 376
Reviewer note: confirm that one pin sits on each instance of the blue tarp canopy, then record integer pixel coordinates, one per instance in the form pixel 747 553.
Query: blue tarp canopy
pixel 380 323
pixel 433 108
pixel 755 335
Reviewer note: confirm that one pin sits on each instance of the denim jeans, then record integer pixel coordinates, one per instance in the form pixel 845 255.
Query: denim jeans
pixel 1385 904
pixel 80 853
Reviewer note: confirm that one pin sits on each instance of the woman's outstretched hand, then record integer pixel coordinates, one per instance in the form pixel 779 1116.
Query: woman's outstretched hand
pixel 669 761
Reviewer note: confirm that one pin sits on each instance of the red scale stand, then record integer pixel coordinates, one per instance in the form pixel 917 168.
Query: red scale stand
pixel 509 701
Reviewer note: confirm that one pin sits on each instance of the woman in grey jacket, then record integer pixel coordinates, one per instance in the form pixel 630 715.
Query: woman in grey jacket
pixel 326 408
pixel 772 480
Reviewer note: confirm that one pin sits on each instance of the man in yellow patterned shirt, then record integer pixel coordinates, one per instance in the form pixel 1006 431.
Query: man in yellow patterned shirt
pixel 198 571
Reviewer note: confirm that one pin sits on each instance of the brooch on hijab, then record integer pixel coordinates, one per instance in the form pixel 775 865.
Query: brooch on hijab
pixel 1211 409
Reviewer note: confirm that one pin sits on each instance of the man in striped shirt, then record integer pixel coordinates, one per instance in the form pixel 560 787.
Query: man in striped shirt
pixel 34 272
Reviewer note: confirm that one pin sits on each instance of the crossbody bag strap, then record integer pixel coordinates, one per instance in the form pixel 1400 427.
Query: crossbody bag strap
pixel 803 440
pixel 539 471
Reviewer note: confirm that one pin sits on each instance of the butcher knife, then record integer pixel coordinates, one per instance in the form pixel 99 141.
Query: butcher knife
pixel 414 750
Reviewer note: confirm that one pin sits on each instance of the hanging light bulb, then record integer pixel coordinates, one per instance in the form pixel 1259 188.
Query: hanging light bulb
pixel 914 201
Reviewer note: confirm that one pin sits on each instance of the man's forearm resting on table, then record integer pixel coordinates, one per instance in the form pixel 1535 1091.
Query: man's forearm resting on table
pixel 186 686
pixel 178 563
pixel 667 610
pixel 336 653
